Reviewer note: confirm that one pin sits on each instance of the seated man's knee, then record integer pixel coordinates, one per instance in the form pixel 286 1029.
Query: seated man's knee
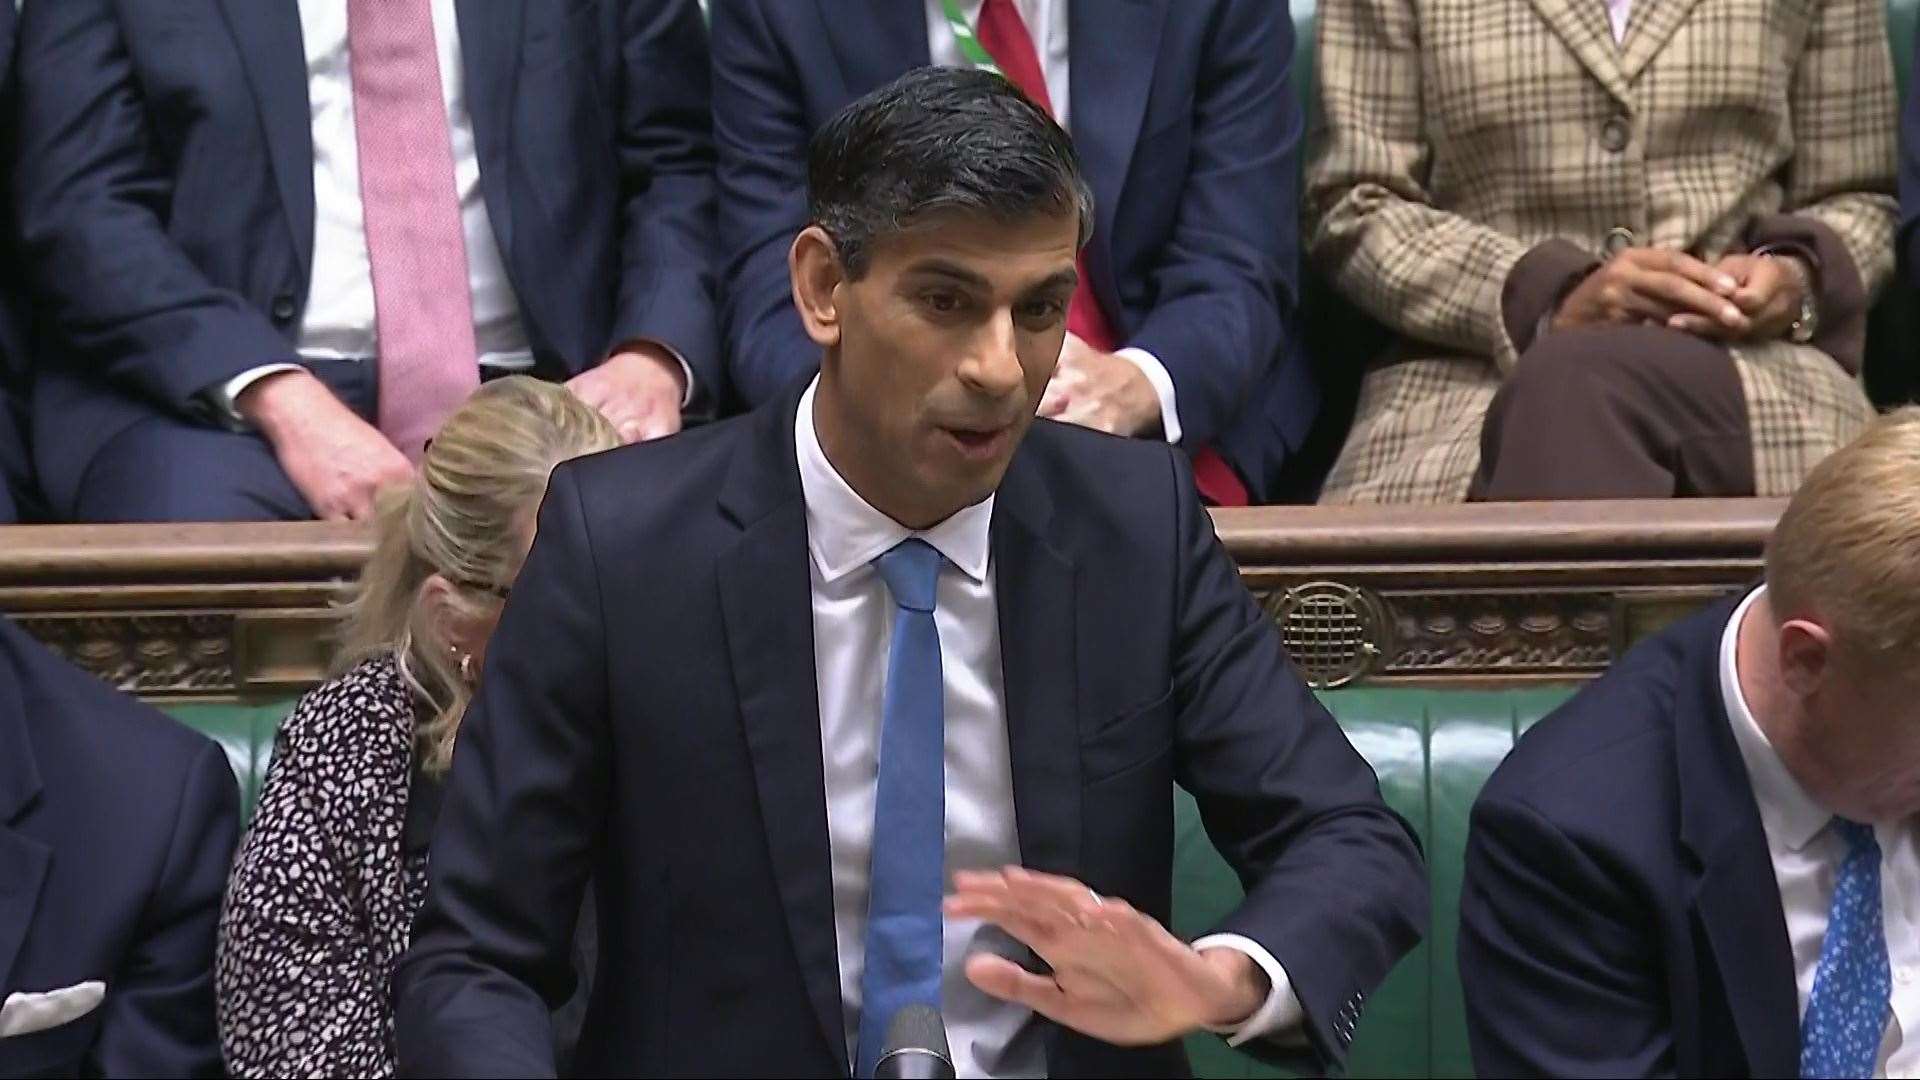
pixel 159 470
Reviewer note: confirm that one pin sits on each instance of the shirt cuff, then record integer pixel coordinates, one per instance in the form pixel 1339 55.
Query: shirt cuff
pixel 224 395
pixel 686 369
pixel 1279 1012
pixel 1156 373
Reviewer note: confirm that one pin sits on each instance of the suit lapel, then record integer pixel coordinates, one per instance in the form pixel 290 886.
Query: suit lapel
pixel 1035 584
pixel 268 35
pixel 1650 25
pixel 491 32
pixel 23 859
pixel 875 41
pixel 1734 889
pixel 1107 98
pixel 766 598
pixel 1583 25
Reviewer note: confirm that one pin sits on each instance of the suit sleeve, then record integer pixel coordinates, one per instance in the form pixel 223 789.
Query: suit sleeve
pixel 761 130
pixel 523 805
pixel 1842 103
pixel 1910 170
pixel 91 194
pixel 158 1019
pixel 1227 280
pixel 1374 231
pixel 294 935
pixel 1557 978
pixel 667 287
pixel 1335 887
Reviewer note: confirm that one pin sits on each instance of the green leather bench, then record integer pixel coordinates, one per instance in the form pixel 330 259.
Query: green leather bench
pixel 1432 751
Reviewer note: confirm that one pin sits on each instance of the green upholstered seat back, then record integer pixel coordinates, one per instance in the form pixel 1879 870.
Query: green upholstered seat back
pixel 1432 749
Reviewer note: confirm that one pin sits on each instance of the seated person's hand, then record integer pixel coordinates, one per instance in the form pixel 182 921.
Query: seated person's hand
pixel 337 461
pixel 1118 975
pixel 1100 390
pixel 1770 293
pixel 1658 286
pixel 638 389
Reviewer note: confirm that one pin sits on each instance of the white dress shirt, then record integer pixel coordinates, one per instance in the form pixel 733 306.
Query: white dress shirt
pixel 338 323
pixel 852 625
pixel 1617 12
pixel 1047 23
pixel 1807 855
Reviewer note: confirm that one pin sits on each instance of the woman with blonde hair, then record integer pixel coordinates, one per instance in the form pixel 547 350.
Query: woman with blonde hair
pixel 333 867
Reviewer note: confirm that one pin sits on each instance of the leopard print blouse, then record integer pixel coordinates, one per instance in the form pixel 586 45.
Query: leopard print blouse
pixel 323 894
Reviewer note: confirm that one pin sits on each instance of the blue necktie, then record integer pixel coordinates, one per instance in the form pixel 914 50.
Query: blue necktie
pixel 909 812
pixel 1847 1011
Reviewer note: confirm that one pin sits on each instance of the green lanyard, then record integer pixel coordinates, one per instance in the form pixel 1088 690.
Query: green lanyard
pixel 970 46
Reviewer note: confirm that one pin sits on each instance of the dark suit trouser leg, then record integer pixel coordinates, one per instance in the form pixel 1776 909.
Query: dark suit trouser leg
pixel 166 468
pixel 14 475
pixel 1616 413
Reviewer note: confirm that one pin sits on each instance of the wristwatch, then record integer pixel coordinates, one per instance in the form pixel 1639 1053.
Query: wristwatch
pixel 1807 322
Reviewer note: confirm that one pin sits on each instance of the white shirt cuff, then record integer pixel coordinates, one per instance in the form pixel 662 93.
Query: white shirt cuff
pixel 1156 373
pixel 224 395
pixel 1279 1012
pixel 686 369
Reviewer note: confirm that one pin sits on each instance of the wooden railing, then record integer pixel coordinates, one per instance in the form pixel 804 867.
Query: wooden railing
pixel 1453 594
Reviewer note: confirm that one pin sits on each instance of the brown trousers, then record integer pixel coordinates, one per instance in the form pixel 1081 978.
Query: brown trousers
pixel 1617 412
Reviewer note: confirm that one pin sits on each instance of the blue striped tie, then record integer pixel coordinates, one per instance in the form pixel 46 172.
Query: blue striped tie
pixel 1852 987
pixel 909 812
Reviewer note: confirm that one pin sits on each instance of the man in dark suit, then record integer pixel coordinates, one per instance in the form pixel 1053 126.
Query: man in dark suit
pixel 117 826
pixel 1707 862
pixel 218 195
pixel 15 475
pixel 779 685
pixel 1185 117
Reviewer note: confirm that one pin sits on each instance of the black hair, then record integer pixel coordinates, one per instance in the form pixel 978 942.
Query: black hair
pixel 936 140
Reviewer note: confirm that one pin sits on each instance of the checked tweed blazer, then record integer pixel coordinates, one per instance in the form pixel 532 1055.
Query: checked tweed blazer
pixel 1457 138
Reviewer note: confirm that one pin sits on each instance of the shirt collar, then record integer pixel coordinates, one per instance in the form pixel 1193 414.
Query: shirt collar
pixel 845 532
pixel 1789 815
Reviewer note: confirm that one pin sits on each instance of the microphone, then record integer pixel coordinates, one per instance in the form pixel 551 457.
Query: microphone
pixel 915 1047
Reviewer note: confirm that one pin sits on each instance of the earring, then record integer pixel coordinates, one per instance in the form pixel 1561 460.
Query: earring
pixel 464 663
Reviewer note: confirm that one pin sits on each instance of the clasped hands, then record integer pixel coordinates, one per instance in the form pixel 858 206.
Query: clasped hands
pixel 1117 975
pixel 1739 298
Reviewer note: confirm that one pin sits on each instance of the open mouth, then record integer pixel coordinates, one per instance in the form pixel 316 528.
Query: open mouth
pixel 978 442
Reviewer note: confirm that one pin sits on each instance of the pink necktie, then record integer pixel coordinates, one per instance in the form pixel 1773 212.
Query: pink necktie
pixel 423 309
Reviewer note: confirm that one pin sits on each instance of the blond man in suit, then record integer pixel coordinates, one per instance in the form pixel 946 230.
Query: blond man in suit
pixel 1626 247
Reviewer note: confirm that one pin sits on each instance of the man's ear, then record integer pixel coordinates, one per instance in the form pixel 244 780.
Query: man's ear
pixel 813 264
pixel 1806 655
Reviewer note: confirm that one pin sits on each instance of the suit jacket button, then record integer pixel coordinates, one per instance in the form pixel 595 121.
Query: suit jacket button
pixel 283 309
pixel 1615 134
pixel 1619 239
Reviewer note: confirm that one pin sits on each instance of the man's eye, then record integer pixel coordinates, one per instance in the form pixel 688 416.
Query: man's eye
pixel 1042 310
pixel 944 303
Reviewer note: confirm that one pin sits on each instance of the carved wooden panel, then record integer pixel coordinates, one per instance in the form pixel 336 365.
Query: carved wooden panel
pixel 1489 592
pixel 177 654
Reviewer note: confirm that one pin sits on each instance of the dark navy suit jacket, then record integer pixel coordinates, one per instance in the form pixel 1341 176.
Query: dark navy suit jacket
pixel 166 191
pixel 1188 129
pixel 648 718
pixel 14 471
pixel 1619 914
pixel 117 826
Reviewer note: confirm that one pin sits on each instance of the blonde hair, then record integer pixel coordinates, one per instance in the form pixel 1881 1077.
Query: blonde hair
pixel 482 475
pixel 1847 550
